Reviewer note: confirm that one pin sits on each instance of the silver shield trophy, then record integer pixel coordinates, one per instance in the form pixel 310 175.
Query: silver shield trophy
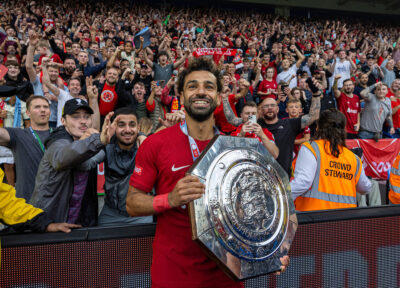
pixel 246 220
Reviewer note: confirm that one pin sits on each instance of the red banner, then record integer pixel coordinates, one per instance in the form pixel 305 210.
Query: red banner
pixel 377 156
pixel 216 52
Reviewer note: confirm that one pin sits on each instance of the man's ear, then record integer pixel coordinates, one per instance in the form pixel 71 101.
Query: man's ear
pixel 63 120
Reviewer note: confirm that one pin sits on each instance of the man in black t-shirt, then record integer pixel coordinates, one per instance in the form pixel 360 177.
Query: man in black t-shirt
pixel 27 144
pixel 286 130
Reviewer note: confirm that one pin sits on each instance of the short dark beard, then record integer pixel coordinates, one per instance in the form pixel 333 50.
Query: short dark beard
pixel 199 116
pixel 265 117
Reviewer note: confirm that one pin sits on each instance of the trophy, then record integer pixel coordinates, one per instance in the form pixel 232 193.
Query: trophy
pixel 246 220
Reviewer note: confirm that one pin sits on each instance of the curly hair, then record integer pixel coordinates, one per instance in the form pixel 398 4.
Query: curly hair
pixel 200 64
pixel 331 127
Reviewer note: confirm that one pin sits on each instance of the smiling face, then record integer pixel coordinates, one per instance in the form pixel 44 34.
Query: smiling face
pixel 200 95
pixel 126 129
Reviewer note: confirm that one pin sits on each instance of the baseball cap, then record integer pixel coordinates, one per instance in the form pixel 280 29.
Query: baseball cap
pixel 72 105
pixel 370 56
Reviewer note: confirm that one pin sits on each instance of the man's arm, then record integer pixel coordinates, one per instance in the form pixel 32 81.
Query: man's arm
pixel 33 41
pixel 148 61
pixel 299 55
pixel 183 59
pixel 306 138
pixel 46 79
pixel 244 88
pixel 93 94
pixel 335 89
pixel 187 189
pixel 365 94
pixel 315 107
pixel 389 120
pixel 4 137
pixel 268 144
pixel 229 114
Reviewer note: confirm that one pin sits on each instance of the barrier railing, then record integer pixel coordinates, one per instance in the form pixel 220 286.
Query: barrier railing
pixel 341 248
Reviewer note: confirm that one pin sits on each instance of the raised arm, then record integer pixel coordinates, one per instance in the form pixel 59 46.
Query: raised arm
pixel 365 94
pixel 180 61
pixel 33 41
pixel 299 55
pixel 335 89
pixel 229 114
pixel 93 96
pixel 148 61
pixel 46 79
pixel 315 107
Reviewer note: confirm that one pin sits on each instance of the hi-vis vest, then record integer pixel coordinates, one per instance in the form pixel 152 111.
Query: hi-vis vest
pixel 394 182
pixel 334 185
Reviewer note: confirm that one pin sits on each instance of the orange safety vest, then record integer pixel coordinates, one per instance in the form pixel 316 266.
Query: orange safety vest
pixel 334 185
pixel 394 182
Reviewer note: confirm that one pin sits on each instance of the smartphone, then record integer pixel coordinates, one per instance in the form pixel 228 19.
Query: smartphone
pixel 310 83
pixel 10 38
pixel 253 118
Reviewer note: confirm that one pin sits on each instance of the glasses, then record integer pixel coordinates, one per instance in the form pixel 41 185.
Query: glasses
pixel 266 106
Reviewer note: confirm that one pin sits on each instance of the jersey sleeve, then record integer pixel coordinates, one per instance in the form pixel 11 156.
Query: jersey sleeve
pixel 145 173
pixel 269 135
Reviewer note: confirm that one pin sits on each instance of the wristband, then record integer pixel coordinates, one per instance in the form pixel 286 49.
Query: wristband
pixel 160 203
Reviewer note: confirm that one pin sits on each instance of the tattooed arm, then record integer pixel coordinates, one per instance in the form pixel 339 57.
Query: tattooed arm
pixel 229 114
pixel 315 108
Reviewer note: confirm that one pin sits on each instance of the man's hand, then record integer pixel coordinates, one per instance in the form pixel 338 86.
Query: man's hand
pixel 77 73
pixel 171 82
pixel 3 114
pixel 61 227
pixel 392 131
pixel 91 90
pixel 88 132
pixel 246 128
pixel 243 83
pixel 34 40
pixel 45 62
pixel 187 189
pixel 171 119
pixel 108 129
pixel 225 92
pixel 257 129
pixel 357 127
pixel 285 261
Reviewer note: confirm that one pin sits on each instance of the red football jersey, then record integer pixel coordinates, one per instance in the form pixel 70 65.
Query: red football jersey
pixel 161 161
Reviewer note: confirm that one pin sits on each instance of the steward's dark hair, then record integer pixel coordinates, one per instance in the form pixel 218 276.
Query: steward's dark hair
pixel 331 127
pixel 200 64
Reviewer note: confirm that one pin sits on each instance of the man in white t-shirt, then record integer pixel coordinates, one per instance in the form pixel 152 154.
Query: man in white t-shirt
pixel 288 75
pixel 342 66
pixel 74 89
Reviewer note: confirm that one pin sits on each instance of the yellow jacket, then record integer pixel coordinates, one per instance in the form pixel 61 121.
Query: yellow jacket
pixel 17 213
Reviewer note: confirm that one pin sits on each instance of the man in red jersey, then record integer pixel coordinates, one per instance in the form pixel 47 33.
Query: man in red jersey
pixel 162 161
pixel 349 104
pixel 251 129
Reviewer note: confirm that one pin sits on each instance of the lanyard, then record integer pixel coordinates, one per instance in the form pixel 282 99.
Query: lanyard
pixel 36 136
pixel 193 145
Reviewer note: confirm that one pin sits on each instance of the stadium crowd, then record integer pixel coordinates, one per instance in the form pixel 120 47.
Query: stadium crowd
pixel 84 84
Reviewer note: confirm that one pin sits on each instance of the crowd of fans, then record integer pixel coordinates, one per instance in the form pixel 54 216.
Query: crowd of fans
pixel 119 65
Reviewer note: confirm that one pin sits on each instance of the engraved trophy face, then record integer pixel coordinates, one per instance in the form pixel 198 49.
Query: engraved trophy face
pixel 246 220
